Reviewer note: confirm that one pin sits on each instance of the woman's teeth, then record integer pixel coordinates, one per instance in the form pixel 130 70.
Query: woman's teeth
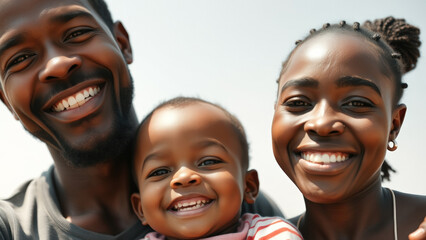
pixel 324 157
pixel 76 100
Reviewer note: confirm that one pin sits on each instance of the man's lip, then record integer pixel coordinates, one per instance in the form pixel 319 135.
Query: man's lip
pixel 71 91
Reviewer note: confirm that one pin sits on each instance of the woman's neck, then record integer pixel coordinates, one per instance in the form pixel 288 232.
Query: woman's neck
pixel 367 214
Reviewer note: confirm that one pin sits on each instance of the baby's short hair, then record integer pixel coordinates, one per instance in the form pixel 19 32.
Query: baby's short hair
pixel 236 124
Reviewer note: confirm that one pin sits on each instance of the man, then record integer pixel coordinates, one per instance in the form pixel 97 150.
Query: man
pixel 64 75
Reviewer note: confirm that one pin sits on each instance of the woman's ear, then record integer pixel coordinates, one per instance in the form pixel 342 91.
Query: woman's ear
pixel 122 38
pixel 251 189
pixel 137 207
pixel 397 120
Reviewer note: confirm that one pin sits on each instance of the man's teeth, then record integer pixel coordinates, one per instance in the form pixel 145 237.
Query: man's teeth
pixel 187 206
pixel 76 100
pixel 325 157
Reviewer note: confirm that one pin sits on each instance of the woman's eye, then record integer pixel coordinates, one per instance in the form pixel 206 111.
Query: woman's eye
pixel 359 104
pixel 159 172
pixel 297 105
pixel 209 162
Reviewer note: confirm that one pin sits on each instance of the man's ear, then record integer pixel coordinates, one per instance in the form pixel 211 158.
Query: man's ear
pixel 137 207
pixel 122 38
pixel 397 120
pixel 4 100
pixel 251 186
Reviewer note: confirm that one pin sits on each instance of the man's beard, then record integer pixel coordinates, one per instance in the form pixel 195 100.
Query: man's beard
pixel 114 146
pixel 107 150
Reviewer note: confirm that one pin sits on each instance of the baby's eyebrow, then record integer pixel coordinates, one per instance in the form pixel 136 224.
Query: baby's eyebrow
pixel 211 142
pixel 302 82
pixel 347 81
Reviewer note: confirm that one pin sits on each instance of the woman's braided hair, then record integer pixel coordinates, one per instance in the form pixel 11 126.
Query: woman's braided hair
pixel 398 44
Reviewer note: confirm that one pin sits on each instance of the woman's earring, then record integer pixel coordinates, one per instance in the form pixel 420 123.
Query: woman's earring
pixel 392 145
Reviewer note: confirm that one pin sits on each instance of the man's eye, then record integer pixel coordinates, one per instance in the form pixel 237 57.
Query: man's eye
pixel 19 59
pixel 209 162
pixel 78 33
pixel 159 172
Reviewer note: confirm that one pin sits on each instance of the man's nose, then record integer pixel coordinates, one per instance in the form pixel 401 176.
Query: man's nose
pixel 59 67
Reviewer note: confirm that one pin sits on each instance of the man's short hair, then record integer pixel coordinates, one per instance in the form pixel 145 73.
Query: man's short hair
pixel 101 8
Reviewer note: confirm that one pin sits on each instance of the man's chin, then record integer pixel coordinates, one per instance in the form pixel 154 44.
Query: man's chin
pixel 105 151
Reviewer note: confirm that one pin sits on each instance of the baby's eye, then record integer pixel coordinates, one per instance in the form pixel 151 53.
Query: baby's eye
pixel 209 162
pixel 159 172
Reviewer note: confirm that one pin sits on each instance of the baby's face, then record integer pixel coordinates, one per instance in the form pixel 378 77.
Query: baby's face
pixel 189 171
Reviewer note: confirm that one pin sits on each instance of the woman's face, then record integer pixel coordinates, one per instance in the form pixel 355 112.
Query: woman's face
pixel 334 117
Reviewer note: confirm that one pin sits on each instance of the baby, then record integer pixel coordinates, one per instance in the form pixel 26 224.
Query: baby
pixel 191 167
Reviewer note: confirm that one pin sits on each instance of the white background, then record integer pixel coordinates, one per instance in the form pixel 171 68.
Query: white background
pixel 229 52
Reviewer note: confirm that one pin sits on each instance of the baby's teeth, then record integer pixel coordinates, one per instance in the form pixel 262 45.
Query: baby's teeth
pixel 86 93
pixel 333 158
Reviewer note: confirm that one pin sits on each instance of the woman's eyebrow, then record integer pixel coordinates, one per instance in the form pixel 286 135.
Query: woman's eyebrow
pixel 357 81
pixel 302 82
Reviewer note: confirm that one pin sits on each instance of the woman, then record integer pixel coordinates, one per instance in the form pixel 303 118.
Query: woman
pixel 336 114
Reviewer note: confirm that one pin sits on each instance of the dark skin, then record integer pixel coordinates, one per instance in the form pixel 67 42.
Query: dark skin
pixel 47 50
pixel 334 116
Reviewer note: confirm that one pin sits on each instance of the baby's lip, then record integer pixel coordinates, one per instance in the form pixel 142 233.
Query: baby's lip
pixel 189 202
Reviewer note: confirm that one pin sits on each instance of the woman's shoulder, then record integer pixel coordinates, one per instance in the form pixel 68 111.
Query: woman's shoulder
pixel 410 211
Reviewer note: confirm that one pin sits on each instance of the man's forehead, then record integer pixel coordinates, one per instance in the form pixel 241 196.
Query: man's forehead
pixel 16 13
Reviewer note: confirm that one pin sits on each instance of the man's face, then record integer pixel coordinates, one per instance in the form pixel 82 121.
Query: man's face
pixel 65 76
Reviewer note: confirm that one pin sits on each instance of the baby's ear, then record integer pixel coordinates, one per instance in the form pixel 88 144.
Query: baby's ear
pixel 397 120
pixel 137 207
pixel 251 186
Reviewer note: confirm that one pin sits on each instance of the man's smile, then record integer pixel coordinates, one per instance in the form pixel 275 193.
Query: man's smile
pixel 76 100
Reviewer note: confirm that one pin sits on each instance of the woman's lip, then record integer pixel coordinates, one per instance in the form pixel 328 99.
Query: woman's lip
pixel 323 168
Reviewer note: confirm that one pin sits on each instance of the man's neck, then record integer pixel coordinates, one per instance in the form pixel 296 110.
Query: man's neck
pixel 96 198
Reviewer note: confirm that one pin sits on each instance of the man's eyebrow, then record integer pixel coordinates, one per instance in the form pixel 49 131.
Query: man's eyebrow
pixel 357 81
pixel 302 82
pixel 63 18
pixel 11 42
